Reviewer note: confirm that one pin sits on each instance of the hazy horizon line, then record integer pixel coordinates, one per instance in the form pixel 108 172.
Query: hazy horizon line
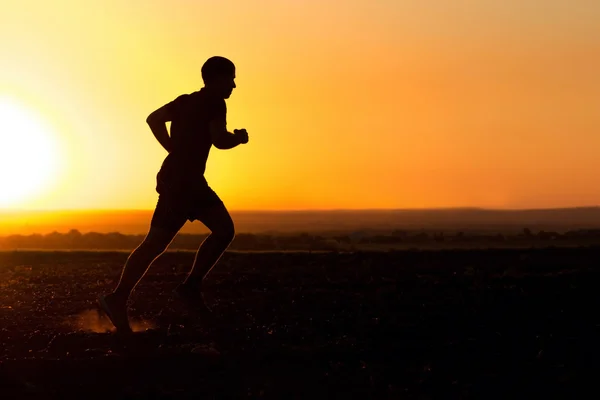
pixel 76 210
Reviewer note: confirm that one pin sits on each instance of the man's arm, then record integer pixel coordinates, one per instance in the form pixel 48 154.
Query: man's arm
pixel 221 138
pixel 157 121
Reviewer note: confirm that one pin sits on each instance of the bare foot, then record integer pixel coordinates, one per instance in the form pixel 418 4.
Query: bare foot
pixel 116 310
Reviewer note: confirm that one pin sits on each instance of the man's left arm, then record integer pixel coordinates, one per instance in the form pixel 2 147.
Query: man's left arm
pixel 221 138
pixel 224 140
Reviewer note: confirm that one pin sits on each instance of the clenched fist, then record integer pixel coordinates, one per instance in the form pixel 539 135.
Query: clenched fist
pixel 242 135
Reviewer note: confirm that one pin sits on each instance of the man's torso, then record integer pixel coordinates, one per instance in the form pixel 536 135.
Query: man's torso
pixel 182 171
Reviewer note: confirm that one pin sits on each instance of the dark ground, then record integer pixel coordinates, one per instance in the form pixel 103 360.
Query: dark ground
pixel 409 324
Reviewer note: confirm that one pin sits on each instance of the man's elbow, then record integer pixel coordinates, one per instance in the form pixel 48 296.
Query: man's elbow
pixel 151 119
pixel 157 118
pixel 218 140
pixel 218 144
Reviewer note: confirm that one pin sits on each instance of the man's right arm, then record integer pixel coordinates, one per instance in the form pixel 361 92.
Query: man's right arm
pixel 157 121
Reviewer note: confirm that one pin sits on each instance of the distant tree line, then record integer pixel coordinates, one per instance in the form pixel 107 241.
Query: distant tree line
pixel 75 240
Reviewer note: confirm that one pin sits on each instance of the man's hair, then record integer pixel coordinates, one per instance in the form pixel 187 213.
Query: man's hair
pixel 216 66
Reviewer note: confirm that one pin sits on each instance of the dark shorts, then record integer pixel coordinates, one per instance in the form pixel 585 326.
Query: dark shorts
pixel 174 210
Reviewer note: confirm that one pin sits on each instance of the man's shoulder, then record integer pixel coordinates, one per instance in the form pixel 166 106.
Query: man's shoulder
pixel 186 100
pixel 211 103
pixel 180 100
pixel 200 101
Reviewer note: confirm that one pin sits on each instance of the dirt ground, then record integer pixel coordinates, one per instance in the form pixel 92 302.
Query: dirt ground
pixel 406 324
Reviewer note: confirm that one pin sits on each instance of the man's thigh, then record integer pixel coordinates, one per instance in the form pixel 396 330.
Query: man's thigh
pixel 168 215
pixel 216 217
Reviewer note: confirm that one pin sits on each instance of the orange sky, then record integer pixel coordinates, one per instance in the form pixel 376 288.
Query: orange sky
pixel 349 104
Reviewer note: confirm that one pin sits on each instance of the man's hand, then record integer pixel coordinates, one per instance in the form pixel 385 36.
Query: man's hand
pixel 242 135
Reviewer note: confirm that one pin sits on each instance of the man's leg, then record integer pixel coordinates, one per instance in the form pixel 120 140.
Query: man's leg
pixel 155 243
pixel 218 220
pixel 115 304
pixel 166 222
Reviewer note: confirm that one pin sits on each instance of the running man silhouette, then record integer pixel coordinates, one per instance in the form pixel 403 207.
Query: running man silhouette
pixel 198 121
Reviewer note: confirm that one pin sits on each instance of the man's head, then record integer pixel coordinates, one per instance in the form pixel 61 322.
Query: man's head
pixel 218 74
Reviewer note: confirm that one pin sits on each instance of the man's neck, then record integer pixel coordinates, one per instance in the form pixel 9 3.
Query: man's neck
pixel 210 91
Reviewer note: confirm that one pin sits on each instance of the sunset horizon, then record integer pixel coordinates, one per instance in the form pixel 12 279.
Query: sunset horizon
pixel 17 210
pixel 299 198
pixel 366 106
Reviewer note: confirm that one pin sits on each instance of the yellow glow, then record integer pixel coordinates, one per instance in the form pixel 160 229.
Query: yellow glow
pixel 348 103
pixel 28 154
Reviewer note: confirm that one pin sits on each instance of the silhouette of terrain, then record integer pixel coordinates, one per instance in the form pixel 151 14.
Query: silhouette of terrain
pixel 349 241
pixel 410 324
pixel 506 304
pixel 472 219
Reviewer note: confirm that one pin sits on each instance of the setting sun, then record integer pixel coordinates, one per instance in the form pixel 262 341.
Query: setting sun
pixel 352 104
pixel 28 154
